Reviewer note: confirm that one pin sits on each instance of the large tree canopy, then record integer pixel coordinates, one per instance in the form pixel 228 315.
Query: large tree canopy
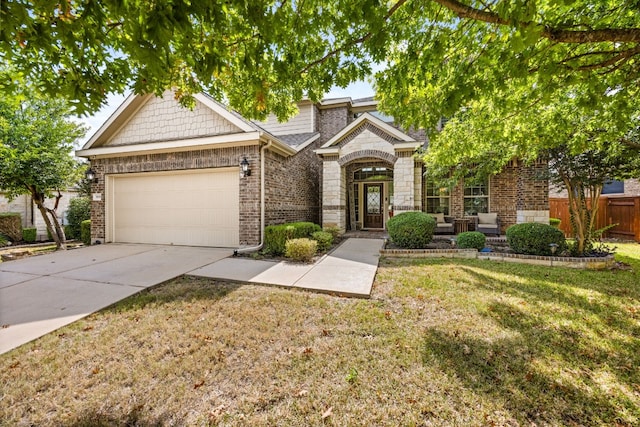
pixel 36 145
pixel 261 55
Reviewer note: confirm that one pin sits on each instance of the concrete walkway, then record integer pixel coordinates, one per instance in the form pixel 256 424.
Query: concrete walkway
pixel 349 270
pixel 43 293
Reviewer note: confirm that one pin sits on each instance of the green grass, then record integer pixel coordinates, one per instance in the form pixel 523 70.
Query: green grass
pixel 441 342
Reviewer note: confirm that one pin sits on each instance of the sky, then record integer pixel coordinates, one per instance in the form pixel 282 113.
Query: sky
pixel 355 90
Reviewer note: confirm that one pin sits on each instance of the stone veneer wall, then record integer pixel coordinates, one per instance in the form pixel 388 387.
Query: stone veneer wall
pixel 186 160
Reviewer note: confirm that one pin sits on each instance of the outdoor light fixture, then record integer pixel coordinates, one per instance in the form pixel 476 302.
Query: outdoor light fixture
pixel 554 248
pixel 453 242
pixel 91 176
pixel 244 167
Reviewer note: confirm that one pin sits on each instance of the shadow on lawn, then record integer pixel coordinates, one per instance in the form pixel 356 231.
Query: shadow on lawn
pixel 134 418
pixel 575 357
pixel 184 288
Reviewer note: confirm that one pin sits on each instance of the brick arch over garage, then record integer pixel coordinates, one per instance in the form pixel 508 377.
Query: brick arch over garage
pixel 367 154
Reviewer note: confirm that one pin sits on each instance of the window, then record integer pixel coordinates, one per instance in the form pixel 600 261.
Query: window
pixel 613 187
pixel 436 198
pixel 373 174
pixel 476 197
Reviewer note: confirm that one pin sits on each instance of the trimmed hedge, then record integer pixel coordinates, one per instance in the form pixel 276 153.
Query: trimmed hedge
pixel 11 225
pixel 29 234
pixel 276 236
pixel 532 238
pixel 324 239
pixel 471 240
pixel 301 249
pixel 85 232
pixel 411 230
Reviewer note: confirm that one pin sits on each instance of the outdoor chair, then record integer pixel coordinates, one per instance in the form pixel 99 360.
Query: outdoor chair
pixel 444 224
pixel 488 223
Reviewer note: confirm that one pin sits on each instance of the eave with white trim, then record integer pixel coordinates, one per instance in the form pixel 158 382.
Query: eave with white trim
pixel 250 134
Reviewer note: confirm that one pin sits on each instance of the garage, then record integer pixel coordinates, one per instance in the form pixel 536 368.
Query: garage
pixel 194 208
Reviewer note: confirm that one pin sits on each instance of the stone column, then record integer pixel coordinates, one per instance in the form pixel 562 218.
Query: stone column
pixel 334 195
pixel 404 183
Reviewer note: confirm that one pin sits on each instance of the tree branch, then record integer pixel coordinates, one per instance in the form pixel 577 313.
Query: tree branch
pixel 624 35
pixel 353 42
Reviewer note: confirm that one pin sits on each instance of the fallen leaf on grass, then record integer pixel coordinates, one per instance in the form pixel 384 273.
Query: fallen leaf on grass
pixel 14 365
pixel 327 413
pixel 303 393
pixel 87 328
pixel 198 385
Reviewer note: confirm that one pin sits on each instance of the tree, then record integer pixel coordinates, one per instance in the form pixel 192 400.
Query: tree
pixel 261 55
pixel 584 150
pixel 583 175
pixel 36 144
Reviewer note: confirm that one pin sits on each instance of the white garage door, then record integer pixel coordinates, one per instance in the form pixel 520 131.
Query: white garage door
pixel 196 208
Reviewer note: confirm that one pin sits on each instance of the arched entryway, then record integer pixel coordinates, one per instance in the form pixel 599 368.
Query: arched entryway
pixel 370 194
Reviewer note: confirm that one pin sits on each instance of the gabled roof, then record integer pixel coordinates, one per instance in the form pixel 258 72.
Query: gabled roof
pixel 95 146
pixel 368 118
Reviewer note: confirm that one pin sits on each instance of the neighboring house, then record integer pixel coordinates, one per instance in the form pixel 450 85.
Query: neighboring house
pixel 169 175
pixel 30 214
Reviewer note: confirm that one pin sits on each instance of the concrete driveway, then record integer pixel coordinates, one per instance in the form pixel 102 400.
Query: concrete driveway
pixel 42 293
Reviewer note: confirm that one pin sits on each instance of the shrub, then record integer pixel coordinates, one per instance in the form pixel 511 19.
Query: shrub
pixel 334 231
pixel 68 232
pixel 11 225
pixel 324 239
pixel 29 234
pixel 555 222
pixel 471 240
pixel 85 232
pixel 302 249
pixel 79 210
pixel 411 230
pixel 533 238
pixel 4 240
pixel 276 236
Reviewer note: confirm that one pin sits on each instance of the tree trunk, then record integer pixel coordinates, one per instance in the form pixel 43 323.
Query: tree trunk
pixel 50 219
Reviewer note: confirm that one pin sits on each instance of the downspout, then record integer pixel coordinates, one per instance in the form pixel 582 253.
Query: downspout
pixel 262 205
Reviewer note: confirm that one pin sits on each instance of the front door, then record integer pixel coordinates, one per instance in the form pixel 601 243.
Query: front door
pixel 373 206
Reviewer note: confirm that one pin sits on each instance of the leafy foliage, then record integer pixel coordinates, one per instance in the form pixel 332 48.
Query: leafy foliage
pixel 79 210
pixel 555 222
pixel 301 249
pixel 85 232
pixel 260 56
pixel 532 238
pixel 29 234
pixel 276 236
pixel 324 240
pixel 411 230
pixel 471 240
pixel 11 225
pixel 36 142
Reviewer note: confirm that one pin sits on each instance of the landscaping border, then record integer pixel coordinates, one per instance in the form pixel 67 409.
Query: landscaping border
pixel 586 263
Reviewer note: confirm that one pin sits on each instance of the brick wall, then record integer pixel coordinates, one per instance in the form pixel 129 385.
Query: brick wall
pixel 516 190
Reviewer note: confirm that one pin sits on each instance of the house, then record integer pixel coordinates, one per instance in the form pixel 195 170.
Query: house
pixel 169 175
pixel 30 215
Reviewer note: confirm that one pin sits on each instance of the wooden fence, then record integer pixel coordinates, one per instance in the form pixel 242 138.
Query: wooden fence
pixel 624 211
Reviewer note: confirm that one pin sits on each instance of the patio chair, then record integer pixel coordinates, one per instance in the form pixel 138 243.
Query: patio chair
pixel 488 223
pixel 444 224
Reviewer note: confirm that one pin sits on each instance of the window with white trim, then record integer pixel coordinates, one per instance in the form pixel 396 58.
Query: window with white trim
pixel 476 197
pixel 436 198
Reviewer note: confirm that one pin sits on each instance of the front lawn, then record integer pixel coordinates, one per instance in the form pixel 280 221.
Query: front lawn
pixel 441 342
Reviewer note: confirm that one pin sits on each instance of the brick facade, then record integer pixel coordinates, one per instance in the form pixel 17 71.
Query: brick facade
pixel 300 186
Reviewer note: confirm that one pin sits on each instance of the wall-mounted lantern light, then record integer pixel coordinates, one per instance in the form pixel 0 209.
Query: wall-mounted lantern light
pixel 244 167
pixel 91 176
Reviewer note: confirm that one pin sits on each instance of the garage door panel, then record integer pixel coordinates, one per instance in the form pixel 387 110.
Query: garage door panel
pixel 199 208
